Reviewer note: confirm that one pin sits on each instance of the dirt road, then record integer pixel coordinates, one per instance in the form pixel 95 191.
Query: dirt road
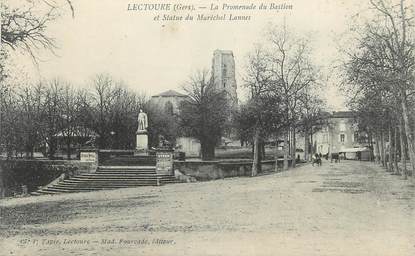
pixel 350 208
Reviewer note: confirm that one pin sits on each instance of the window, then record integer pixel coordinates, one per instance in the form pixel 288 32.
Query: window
pixel 342 137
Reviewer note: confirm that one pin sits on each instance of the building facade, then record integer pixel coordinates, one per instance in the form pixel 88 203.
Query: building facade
pixel 340 134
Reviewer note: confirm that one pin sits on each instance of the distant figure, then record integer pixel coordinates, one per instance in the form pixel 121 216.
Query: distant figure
pixel 142 121
pixel 316 159
pixel 359 156
pixel 335 157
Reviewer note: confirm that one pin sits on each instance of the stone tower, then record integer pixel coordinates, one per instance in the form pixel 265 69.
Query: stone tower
pixel 223 74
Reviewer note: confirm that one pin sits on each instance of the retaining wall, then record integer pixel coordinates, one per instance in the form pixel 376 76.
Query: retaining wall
pixel 211 170
pixel 35 173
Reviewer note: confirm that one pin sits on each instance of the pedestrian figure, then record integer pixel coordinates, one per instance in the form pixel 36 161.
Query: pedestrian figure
pixel 316 159
pixel 335 157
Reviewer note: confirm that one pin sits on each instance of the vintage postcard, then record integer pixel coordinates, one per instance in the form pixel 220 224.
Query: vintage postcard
pixel 207 127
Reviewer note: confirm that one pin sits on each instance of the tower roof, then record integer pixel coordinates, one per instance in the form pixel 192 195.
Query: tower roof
pixel 217 51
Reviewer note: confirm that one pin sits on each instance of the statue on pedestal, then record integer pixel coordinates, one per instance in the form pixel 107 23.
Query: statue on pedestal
pixel 142 121
pixel 141 134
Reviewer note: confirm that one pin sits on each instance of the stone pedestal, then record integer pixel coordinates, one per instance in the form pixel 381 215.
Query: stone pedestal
pixel 88 155
pixel 142 140
pixel 164 162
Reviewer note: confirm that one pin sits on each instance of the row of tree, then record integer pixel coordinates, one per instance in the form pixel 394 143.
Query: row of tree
pixel 51 114
pixel 380 77
pixel 283 100
pixel 37 116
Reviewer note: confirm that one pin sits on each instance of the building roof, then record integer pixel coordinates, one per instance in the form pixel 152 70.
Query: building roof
pixel 170 93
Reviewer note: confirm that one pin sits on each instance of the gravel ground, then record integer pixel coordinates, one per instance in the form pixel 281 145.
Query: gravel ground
pixel 349 208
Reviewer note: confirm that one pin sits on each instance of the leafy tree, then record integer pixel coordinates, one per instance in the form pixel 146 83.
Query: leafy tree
pixel 204 114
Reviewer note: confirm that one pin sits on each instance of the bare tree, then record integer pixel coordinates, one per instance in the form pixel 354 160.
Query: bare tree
pixel 25 27
pixel 383 66
pixel 52 114
pixel 293 72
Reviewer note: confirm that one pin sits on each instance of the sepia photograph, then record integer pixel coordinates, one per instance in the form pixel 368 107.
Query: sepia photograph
pixel 207 127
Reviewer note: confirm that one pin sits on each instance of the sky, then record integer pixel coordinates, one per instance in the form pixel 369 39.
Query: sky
pixel 155 56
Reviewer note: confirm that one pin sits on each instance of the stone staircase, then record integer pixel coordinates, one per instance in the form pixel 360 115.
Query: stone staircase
pixel 125 175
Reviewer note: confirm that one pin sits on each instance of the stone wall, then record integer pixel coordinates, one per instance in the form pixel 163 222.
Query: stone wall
pixel 211 170
pixel 35 173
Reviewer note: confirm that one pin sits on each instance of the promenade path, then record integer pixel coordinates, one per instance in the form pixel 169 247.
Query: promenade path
pixel 349 208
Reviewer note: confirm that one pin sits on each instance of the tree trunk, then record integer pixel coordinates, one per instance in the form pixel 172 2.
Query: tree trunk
pixel 382 148
pixel 293 152
pixel 395 150
pixel 389 166
pixel 208 150
pixel 276 168
pixel 285 149
pixel 2 185
pixel 378 154
pixel 306 141
pixel 409 138
pixel 262 147
pixel 312 144
pixel 256 162
pixel 261 155
pixel 68 147
pixel 403 148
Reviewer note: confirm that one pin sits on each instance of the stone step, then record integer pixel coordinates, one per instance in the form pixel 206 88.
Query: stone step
pixel 50 190
pixel 120 167
pixel 109 175
pixel 92 186
pixel 59 189
pixel 110 181
pixel 128 176
pixel 128 161
pixel 107 183
pixel 117 175
pixel 114 179
pixel 127 173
